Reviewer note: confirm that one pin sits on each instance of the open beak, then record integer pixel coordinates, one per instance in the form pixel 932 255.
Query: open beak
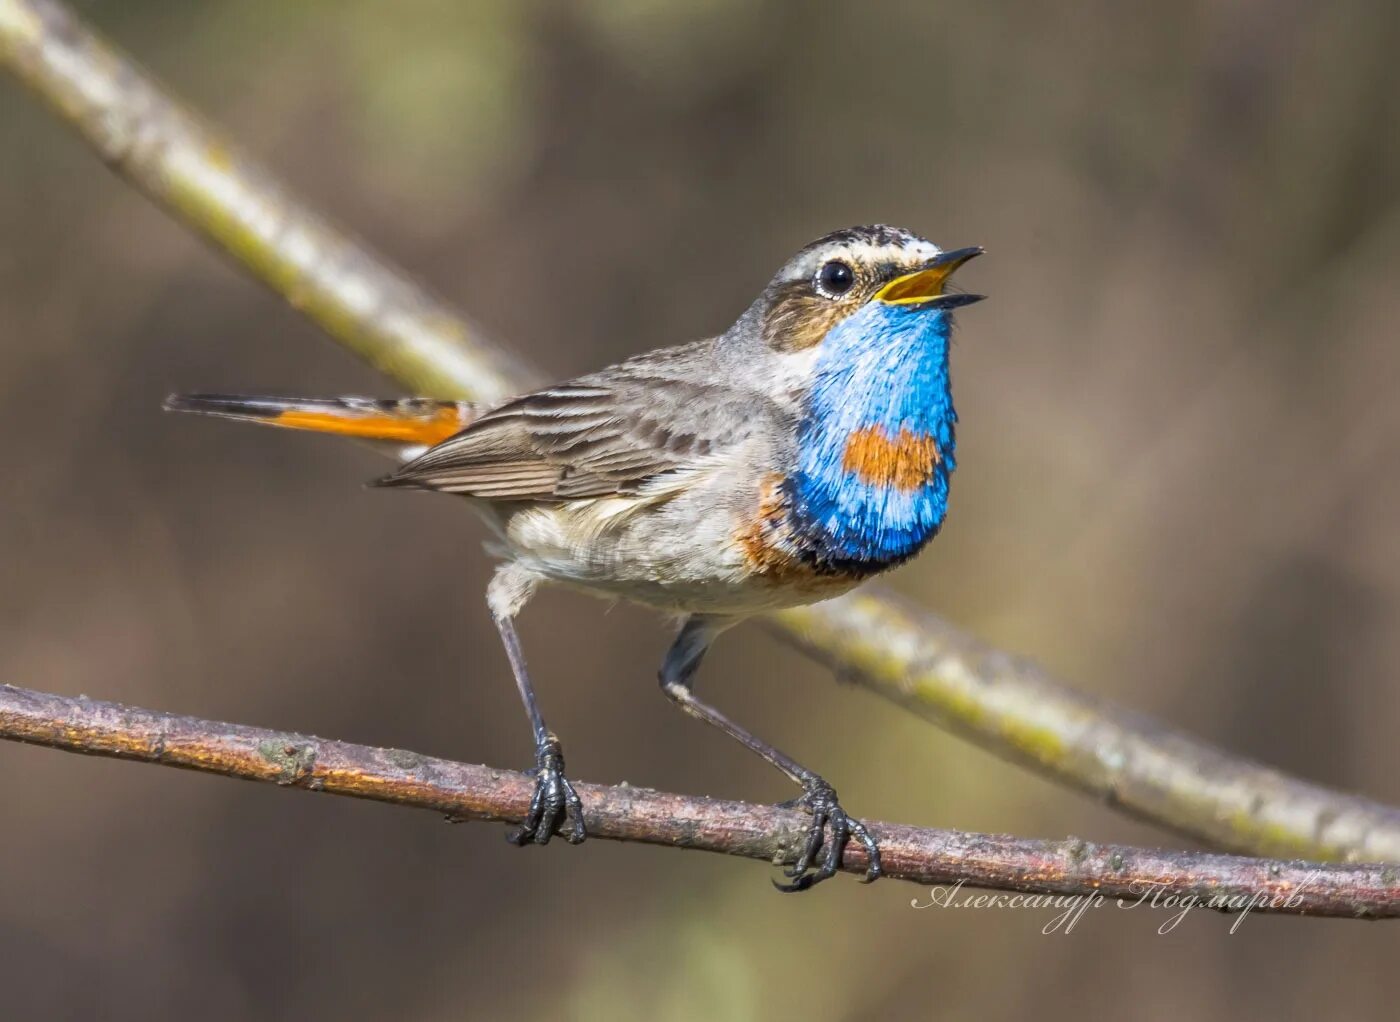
pixel 923 289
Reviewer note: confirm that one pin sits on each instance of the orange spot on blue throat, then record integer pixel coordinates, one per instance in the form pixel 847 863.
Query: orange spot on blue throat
pixel 905 461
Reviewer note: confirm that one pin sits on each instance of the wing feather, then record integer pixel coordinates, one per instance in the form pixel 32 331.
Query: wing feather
pixel 601 434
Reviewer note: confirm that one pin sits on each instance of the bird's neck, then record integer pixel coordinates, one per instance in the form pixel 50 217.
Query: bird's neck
pixel 876 442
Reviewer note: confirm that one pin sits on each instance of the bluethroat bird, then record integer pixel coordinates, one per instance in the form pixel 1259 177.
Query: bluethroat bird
pixel 802 451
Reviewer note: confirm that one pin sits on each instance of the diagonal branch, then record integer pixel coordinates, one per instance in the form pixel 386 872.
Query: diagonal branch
pixel 1012 707
pixel 163 149
pixel 1006 705
pixel 768 833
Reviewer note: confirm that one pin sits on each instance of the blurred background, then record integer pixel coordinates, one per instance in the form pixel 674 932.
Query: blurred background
pixel 1179 486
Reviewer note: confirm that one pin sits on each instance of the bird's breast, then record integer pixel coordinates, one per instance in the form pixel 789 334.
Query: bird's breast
pixel 776 555
pixel 868 503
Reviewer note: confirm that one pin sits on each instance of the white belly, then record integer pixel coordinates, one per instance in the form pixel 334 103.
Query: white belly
pixel 672 546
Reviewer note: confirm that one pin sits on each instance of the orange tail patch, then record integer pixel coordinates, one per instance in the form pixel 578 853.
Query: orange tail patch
pixel 410 421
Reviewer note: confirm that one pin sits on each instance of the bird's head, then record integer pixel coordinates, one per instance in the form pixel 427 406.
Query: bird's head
pixel 874 272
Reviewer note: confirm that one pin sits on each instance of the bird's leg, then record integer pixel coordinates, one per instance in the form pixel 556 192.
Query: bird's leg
pixel 818 797
pixel 554 797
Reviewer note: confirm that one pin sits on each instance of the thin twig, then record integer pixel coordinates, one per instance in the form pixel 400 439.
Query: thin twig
pixel 769 833
pixel 1004 704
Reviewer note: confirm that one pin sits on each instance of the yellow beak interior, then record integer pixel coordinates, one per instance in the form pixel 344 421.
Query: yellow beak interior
pixel 921 285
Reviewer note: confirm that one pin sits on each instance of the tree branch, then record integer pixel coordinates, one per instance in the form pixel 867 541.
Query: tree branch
pixel 465 792
pixel 921 662
pixel 163 149
pixel 1012 707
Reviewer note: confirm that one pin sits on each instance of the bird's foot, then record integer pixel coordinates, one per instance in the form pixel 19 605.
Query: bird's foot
pixel 820 800
pixel 553 802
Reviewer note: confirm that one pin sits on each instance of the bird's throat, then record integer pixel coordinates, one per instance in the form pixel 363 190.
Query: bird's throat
pixel 876 443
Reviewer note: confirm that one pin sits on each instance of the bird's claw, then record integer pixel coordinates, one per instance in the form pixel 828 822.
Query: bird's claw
pixel 820 800
pixel 554 800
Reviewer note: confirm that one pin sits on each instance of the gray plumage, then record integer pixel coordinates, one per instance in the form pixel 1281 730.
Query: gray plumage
pixel 605 433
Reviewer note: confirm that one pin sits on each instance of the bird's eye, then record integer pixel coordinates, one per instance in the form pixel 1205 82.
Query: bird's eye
pixel 834 279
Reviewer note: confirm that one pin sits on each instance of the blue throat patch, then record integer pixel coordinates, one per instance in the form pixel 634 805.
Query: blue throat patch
pixel 876 446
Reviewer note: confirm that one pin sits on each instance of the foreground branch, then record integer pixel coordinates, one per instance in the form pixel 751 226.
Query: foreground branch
pixel 768 833
pixel 1005 705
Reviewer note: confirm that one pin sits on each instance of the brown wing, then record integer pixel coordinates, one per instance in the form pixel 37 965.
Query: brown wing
pixel 597 435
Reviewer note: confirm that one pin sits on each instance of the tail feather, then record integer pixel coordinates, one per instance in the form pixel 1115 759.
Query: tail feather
pixel 413 421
